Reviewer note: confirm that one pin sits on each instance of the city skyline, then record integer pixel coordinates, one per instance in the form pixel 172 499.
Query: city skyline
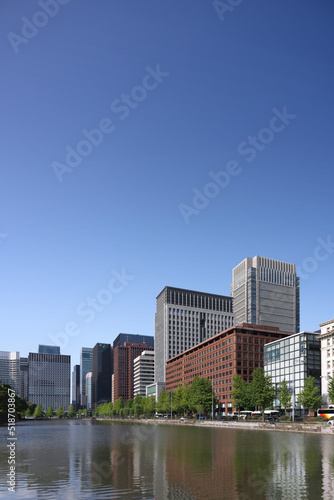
pixel 159 145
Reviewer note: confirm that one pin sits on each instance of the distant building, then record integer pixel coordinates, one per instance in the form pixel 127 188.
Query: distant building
pixel 183 319
pixel 102 372
pixel 24 379
pixel 294 359
pixel 76 387
pixel 133 337
pixel 49 380
pixel 86 365
pixel 10 369
pixel 48 349
pixel 124 356
pixel 266 292
pixel 89 390
pixel 143 372
pixel 237 350
pixel 327 356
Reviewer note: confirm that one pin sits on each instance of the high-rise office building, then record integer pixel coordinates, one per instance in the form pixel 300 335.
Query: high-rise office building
pixel 24 378
pixel 49 380
pixel 185 318
pixel 124 356
pixel 48 349
pixel 86 365
pixel 102 372
pixel 266 292
pixel 89 390
pixel 76 387
pixel 143 372
pixel 133 337
pixel 10 369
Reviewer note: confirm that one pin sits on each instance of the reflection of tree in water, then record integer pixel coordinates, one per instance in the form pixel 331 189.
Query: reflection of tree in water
pixel 253 464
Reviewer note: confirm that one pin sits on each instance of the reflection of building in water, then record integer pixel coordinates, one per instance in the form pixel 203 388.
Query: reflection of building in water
pixel 328 467
pixel 201 467
pixel 288 468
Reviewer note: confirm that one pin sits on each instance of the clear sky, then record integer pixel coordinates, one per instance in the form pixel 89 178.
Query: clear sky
pixel 155 143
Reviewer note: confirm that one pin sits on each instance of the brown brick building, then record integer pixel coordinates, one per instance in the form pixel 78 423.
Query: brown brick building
pixel 237 350
pixel 124 356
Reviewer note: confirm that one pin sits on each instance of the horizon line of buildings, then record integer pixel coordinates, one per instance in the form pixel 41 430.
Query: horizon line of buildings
pixel 210 335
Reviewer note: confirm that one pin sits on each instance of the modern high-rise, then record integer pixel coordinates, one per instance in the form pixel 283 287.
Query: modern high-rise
pixel 266 292
pixel 327 356
pixel 49 379
pixel 10 369
pixel 86 365
pixel 102 372
pixel 143 372
pixel 133 337
pixel 124 356
pixel 89 390
pixel 76 387
pixel 183 319
pixel 24 378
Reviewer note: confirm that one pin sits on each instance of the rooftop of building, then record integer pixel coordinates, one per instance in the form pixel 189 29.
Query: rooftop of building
pixel 176 289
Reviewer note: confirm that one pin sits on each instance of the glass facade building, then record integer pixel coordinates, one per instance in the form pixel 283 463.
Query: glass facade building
pixel 86 366
pixel 293 359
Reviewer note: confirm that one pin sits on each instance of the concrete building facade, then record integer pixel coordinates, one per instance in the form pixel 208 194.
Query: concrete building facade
pixel 237 350
pixel 76 387
pixel 327 356
pixel 24 378
pixel 143 372
pixel 294 359
pixel 10 369
pixel 266 292
pixel 183 319
pixel 49 380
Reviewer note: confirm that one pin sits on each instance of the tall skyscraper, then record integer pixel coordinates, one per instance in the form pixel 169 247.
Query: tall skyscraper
pixel 185 318
pixel 49 379
pixel 86 365
pixel 124 356
pixel 10 369
pixel 76 387
pixel 24 378
pixel 102 372
pixel 266 292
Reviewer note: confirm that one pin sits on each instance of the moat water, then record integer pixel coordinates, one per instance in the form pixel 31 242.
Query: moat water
pixel 74 460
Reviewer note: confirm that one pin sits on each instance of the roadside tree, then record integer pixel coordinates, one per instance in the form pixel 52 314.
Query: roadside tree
pixel 263 391
pixel 284 395
pixel 310 396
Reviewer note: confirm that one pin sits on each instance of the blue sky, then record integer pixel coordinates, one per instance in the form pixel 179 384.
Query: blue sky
pixel 178 91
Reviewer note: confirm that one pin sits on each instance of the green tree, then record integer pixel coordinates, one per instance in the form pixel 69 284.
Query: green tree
pixel 27 413
pixel 138 405
pixel 331 389
pixel 85 412
pixel 310 397
pixel 118 405
pixel 60 412
pixel 71 412
pixel 39 411
pixel 185 401
pixel 177 400
pixel 201 396
pixel 242 394
pixel 263 391
pixel 163 403
pixel 284 395
pixel 49 412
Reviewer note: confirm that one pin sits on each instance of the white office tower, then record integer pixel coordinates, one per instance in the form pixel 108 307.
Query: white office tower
pixel 10 369
pixel 266 292
pixel 183 319
pixel 143 372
